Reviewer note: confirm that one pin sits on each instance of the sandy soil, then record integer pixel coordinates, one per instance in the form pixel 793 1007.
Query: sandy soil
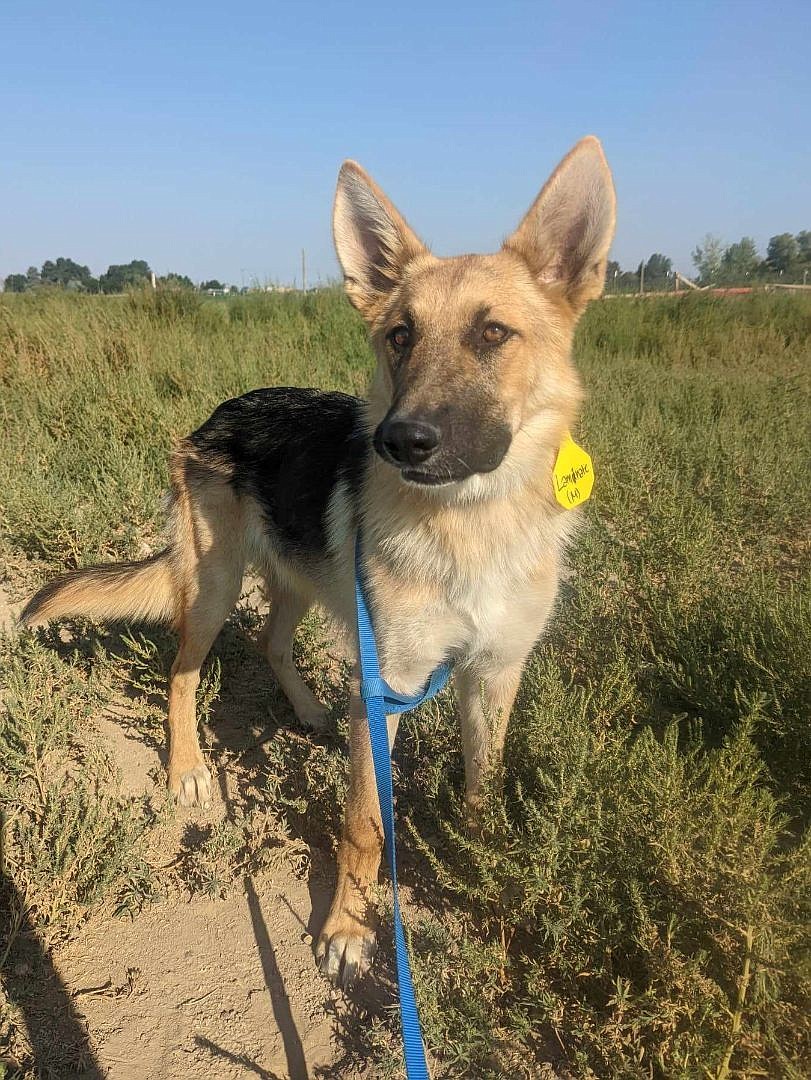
pixel 8 610
pixel 211 988
pixel 202 988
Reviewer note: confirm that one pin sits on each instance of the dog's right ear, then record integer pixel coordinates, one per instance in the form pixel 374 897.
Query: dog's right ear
pixel 373 241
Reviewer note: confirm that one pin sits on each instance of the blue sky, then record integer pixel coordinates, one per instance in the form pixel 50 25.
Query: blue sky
pixel 206 138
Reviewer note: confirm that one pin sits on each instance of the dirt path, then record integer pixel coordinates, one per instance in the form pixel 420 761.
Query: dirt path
pixel 202 987
pixel 208 988
pixel 8 611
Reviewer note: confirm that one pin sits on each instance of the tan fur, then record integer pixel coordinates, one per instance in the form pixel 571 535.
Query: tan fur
pixel 470 568
pixel 120 591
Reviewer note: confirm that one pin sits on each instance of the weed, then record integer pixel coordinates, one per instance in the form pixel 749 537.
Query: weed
pixel 636 903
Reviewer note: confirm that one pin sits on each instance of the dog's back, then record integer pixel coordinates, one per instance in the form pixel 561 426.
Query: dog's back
pixel 283 450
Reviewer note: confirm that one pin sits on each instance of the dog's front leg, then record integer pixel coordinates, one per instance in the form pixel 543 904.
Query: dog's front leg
pixel 486 692
pixel 346 945
pixel 487 682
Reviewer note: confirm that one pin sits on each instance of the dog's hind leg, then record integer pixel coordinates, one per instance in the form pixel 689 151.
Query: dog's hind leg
pixel 287 609
pixel 209 566
pixel 216 589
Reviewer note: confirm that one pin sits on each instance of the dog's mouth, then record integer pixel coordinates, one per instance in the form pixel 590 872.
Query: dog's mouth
pixel 421 478
pixel 443 475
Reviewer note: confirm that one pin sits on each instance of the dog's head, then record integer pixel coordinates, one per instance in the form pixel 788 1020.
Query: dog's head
pixel 473 351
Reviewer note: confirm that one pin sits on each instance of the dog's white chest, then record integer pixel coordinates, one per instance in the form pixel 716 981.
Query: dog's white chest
pixel 484 593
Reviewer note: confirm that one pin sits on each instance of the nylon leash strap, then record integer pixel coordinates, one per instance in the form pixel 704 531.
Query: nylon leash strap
pixel 380 699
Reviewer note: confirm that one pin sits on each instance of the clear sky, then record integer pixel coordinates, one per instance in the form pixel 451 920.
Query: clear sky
pixel 205 138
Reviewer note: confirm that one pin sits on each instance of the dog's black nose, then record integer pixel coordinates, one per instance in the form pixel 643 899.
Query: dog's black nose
pixel 408 442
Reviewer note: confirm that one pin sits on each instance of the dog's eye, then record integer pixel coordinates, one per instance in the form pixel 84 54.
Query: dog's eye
pixel 400 337
pixel 494 333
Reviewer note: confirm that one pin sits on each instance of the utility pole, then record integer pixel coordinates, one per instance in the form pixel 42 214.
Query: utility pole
pixel 641 279
pixel 303 270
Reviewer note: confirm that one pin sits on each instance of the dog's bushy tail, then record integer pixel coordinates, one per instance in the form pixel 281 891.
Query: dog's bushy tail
pixel 138 591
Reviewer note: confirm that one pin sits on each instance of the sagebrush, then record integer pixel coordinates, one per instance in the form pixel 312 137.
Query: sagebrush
pixel 635 903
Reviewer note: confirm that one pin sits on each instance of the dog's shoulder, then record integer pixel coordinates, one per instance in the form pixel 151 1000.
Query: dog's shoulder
pixel 288 448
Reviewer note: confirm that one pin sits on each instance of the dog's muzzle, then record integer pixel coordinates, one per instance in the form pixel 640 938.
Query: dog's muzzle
pixel 431 453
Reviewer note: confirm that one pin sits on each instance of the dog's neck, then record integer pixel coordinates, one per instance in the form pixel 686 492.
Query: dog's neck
pixel 485 514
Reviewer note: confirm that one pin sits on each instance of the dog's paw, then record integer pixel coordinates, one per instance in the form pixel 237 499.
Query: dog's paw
pixel 314 717
pixel 345 950
pixel 192 787
pixel 473 818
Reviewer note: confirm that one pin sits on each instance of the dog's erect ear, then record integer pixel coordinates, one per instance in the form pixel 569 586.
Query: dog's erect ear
pixel 566 233
pixel 373 241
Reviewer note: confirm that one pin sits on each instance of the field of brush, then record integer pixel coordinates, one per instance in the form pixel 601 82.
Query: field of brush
pixel 637 904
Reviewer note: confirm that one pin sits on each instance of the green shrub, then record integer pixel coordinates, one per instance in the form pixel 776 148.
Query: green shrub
pixel 635 904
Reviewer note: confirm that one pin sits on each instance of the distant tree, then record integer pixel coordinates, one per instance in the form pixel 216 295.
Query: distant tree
pixel 32 276
pixel 782 254
pixel 707 258
pixel 176 281
pixel 15 283
pixel 125 276
pixel 68 274
pixel 213 284
pixel 740 261
pixel 804 246
pixel 657 271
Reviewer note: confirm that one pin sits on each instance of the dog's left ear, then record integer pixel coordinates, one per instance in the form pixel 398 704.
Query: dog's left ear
pixel 566 233
pixel 373 240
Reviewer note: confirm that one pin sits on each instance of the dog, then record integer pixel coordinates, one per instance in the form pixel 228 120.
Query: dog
pixel 445 473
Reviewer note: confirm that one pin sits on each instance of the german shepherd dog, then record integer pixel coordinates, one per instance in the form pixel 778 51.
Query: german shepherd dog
pixel 446 471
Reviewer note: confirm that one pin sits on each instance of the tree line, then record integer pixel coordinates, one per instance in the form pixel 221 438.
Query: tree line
pixel 67 274
pixel 787 260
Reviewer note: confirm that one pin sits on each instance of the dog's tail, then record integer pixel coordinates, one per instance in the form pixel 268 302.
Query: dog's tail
pixel 139 591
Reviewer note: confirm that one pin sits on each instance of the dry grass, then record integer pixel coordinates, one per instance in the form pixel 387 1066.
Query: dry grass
pixel 637 903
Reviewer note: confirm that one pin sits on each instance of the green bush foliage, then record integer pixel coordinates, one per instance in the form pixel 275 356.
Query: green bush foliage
pixel 635 902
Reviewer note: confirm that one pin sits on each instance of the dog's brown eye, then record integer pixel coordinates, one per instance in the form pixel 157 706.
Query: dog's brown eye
pixel 494 333
pixel 400 337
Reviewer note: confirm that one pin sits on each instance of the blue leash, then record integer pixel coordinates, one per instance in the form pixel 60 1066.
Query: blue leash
pixel 380 699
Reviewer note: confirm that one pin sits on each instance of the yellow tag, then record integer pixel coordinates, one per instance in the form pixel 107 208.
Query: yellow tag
pixel 573 474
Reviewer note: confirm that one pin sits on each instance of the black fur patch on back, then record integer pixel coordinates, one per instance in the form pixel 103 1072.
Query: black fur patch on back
pixel 288 448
